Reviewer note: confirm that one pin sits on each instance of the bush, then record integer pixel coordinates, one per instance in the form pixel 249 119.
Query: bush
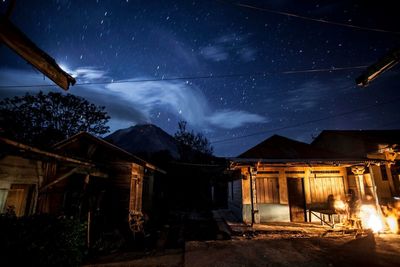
pixel 41 240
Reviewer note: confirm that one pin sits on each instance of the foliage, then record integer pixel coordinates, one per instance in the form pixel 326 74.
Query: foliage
pixel 44 119
pixel 195 141
pixel 41 240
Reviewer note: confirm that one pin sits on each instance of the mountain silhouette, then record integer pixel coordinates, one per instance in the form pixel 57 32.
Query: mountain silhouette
pixel 145 140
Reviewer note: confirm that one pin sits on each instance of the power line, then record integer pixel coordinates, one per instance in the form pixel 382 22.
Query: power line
pixel 210 76
pixel 306 122
pixel 310 18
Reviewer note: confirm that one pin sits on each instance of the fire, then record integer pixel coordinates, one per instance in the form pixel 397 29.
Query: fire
pixel 391 221
pixel 370 218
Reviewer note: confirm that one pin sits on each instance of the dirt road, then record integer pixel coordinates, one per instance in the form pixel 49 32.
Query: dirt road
pixel 269 250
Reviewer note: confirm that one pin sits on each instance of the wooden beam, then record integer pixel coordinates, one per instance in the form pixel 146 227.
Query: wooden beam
pixel 43 153
pixel 59 179
pixel 93 172
pixel 17 41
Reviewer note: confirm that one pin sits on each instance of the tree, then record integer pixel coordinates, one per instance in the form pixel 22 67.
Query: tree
pixel 44 119
pixel 195 141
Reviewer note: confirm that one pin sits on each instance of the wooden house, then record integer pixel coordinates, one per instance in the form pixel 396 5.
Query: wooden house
pixel 285 180
pixel 83 177
pixel 22 175
pixel 380 145
pixel 115 195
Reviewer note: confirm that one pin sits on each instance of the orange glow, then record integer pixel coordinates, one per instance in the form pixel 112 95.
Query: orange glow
pixel 370 218
pixel 339 205
pixel 391 221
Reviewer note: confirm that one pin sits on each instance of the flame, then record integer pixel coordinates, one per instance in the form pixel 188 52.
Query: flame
pixel 391 220
pixel 370 218
pixel 339 205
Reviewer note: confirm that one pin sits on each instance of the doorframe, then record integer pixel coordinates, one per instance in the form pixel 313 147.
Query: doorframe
pixel 304 197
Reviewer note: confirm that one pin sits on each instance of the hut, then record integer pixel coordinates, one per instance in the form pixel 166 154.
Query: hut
pixel 117 194
pixel 285 180
pixel 83 177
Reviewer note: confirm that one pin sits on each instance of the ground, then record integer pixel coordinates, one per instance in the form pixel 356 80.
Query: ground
pixel 296 250
pixel 278 244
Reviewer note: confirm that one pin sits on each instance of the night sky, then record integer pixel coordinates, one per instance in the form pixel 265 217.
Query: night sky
pixel 244 72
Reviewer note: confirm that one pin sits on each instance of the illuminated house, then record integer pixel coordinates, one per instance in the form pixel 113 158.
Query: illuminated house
pixel 372 144
pixel 285 180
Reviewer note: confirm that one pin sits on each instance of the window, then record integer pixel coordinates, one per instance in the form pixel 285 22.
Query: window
pixel 17 198
pixel 3 198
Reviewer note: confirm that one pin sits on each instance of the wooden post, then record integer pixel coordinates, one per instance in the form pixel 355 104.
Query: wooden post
pixel 359 175
pixel 89 216
pixel 89 219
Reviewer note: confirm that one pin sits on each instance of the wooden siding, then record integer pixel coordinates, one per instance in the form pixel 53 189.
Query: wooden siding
pixel 319 183
pixel 267 190
pixel 19 180
pixel 322 187
pixel 384 188
pixel 136 185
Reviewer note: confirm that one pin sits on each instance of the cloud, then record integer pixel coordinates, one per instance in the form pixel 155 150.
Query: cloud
pixel 116 105
pixel 137 102
pixel 174 97
pixel 184 100
pixel 307 95
pixel 89 74
pixel 248 54
pixel 229 119
pixel 215 53
pixel 227 46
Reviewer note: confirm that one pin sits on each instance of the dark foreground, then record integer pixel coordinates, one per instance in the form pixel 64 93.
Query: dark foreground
pixel 275 246
pixel 382 250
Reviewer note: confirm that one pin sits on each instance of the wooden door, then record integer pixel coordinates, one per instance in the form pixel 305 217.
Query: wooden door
pixel 296 199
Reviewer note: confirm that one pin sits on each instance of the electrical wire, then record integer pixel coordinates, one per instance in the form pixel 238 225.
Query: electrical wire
pixel 210 76
pixel 310 18
pixel 306 122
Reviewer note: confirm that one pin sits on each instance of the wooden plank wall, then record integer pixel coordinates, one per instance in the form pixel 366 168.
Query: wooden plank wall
pixel 19 180
pixel 267 189
pixel 383 187
pixel 322 187
pixel 319 183
pixel 136 188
